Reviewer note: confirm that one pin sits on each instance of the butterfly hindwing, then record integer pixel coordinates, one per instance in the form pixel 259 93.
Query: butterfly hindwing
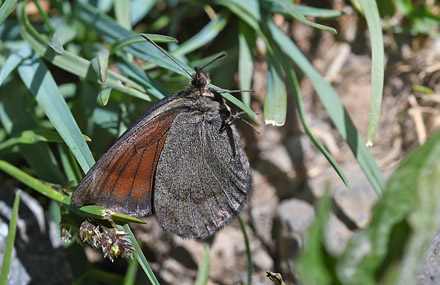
pixel 202 179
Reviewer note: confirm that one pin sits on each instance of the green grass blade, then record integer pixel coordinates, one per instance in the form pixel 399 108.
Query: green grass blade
pixel 130 274
pixel 9 246
pixel 122 13
pixel 247 10
pixel 96 212
pixel 30 181
pixel 306 11
pixel 139 9
pixel 6 9
pixel 203 273
pixel 13 62
pixel 40 82
pixel 293 81
pixel 318 12
pixel 411 194
pixel 135 73
pixel 377 71
pixel 335 109
pixel 141 258
pixel 204 36
pixel 275 101
pixel 291 9
pixel 248 249
pixel 70 165
pixel 32 137
pixel 56 45
pixel 137 38
pixel 238 103
pixel 103 96
pixel 100 62
pixel 246 37
pixel 44 16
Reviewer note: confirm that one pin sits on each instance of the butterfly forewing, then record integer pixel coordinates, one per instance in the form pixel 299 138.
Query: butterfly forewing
pixel 122 180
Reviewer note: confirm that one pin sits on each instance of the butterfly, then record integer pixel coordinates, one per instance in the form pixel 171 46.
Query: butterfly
pixel 181 161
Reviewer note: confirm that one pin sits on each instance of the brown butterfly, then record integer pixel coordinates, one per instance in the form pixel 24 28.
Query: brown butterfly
pixel 181 160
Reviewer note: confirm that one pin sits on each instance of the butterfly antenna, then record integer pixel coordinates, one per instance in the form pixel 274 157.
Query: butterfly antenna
pixel 232 91
pixel 215 59
pixel 165 53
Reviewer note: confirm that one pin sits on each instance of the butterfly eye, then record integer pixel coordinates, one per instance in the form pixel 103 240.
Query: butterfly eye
pixel 200 79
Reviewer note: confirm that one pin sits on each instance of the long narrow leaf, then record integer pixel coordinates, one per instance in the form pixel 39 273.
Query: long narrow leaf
pixel 304 10
pixel 130 274
pixel 7 255
pixel 32 137
pixel 290 8
pixel 13 62
pixel 122 13
pixel 203 273
pixel 100 62
pixel 70 165
pixel 139 9
pixel 40 82
pixel 250 264
pixel 275 101
pixel 6 9
pixel 141 258
pixel 377 71
pixel 136 38
pixel 293 81
pixel 248 11
pixel 208 33
pixel 245 62
pixel 135 73
pixel 30 181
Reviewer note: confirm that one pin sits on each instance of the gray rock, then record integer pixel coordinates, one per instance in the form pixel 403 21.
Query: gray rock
pixel 263 204
pixel 228 254
pixel 430 272
pixel 295 215
pixel 337 236
pixel 35 257
pixel 293 218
